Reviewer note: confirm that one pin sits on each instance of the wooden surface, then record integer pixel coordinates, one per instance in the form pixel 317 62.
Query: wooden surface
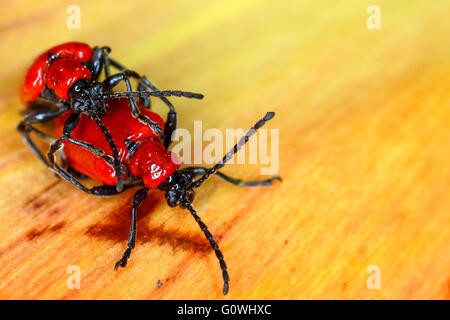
pixel 364 152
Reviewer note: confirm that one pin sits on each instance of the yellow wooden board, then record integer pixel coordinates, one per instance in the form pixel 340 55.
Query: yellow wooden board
pixel 364 147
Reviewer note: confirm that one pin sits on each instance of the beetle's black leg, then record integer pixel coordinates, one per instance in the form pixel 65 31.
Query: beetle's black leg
pixel 38 116
pixel 106 66
pixel 70 178
pixel 141 86
pixel 96 151
pixel 98 62
pixel 142 80
pixel 25 131
pixel 76 174
pixel 145 100
pixel 69 126
pixel 108 190
pixel 43 113
pixel 213 243
pixel 103 190
pixel 116 164
pixel 46 115
pixel 197 171
pixel 138 198
pixel 171 122
pixel 140 94
pixel 95 66
pixel 169 127
pixel 44 109
pixel 49 100
pixel 113 80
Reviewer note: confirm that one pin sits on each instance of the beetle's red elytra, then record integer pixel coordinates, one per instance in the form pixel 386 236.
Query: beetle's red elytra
pixel 150 161
pixel 98 137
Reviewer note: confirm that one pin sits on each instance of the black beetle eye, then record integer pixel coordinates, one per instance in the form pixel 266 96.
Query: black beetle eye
pixel 76 87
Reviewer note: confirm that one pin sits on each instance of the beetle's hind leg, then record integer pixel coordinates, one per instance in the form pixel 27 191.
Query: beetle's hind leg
pixel 138 198
pixel 145 100
pixel 103 190
pixel 25 130
pixel 76 174
pixel 114 80
pixel 99 62
pixel 143 83
pixel 41 115
pixel 71 123
pixel 197 171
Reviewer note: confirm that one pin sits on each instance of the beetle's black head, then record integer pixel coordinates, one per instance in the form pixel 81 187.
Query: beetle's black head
pixel 83 97
pixel 178 187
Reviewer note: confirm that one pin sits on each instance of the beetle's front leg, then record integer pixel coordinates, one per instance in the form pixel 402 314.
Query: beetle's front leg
pixel 138 198
pixel 114 80
pixel 41 116
pixel 98 62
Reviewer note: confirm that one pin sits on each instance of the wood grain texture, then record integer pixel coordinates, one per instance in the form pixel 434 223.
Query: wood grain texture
pixel 364 152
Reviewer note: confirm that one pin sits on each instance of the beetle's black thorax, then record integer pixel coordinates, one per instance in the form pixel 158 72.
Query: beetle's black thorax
pixel 84 97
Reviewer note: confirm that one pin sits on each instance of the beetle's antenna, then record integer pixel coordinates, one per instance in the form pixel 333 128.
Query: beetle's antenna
pixel 143 94
pixel 236 148
pixel 213 243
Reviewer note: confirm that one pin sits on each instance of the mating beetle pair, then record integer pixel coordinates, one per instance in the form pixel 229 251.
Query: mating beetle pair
pixel 112 138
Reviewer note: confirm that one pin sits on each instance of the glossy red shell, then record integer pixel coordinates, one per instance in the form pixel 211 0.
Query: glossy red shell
pixel 150 161
pixel 35 81
pixel 153 163
pixel 63 73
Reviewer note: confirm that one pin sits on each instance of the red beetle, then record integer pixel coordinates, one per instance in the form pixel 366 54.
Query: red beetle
pixel 59 76
pixel 66 77
pixel 146 163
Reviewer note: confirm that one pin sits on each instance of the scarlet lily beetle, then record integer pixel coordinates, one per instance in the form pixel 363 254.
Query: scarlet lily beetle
pixel 66 77
pixel 146 164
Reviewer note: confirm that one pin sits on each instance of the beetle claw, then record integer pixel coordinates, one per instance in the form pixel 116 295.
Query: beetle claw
pixel 123 261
